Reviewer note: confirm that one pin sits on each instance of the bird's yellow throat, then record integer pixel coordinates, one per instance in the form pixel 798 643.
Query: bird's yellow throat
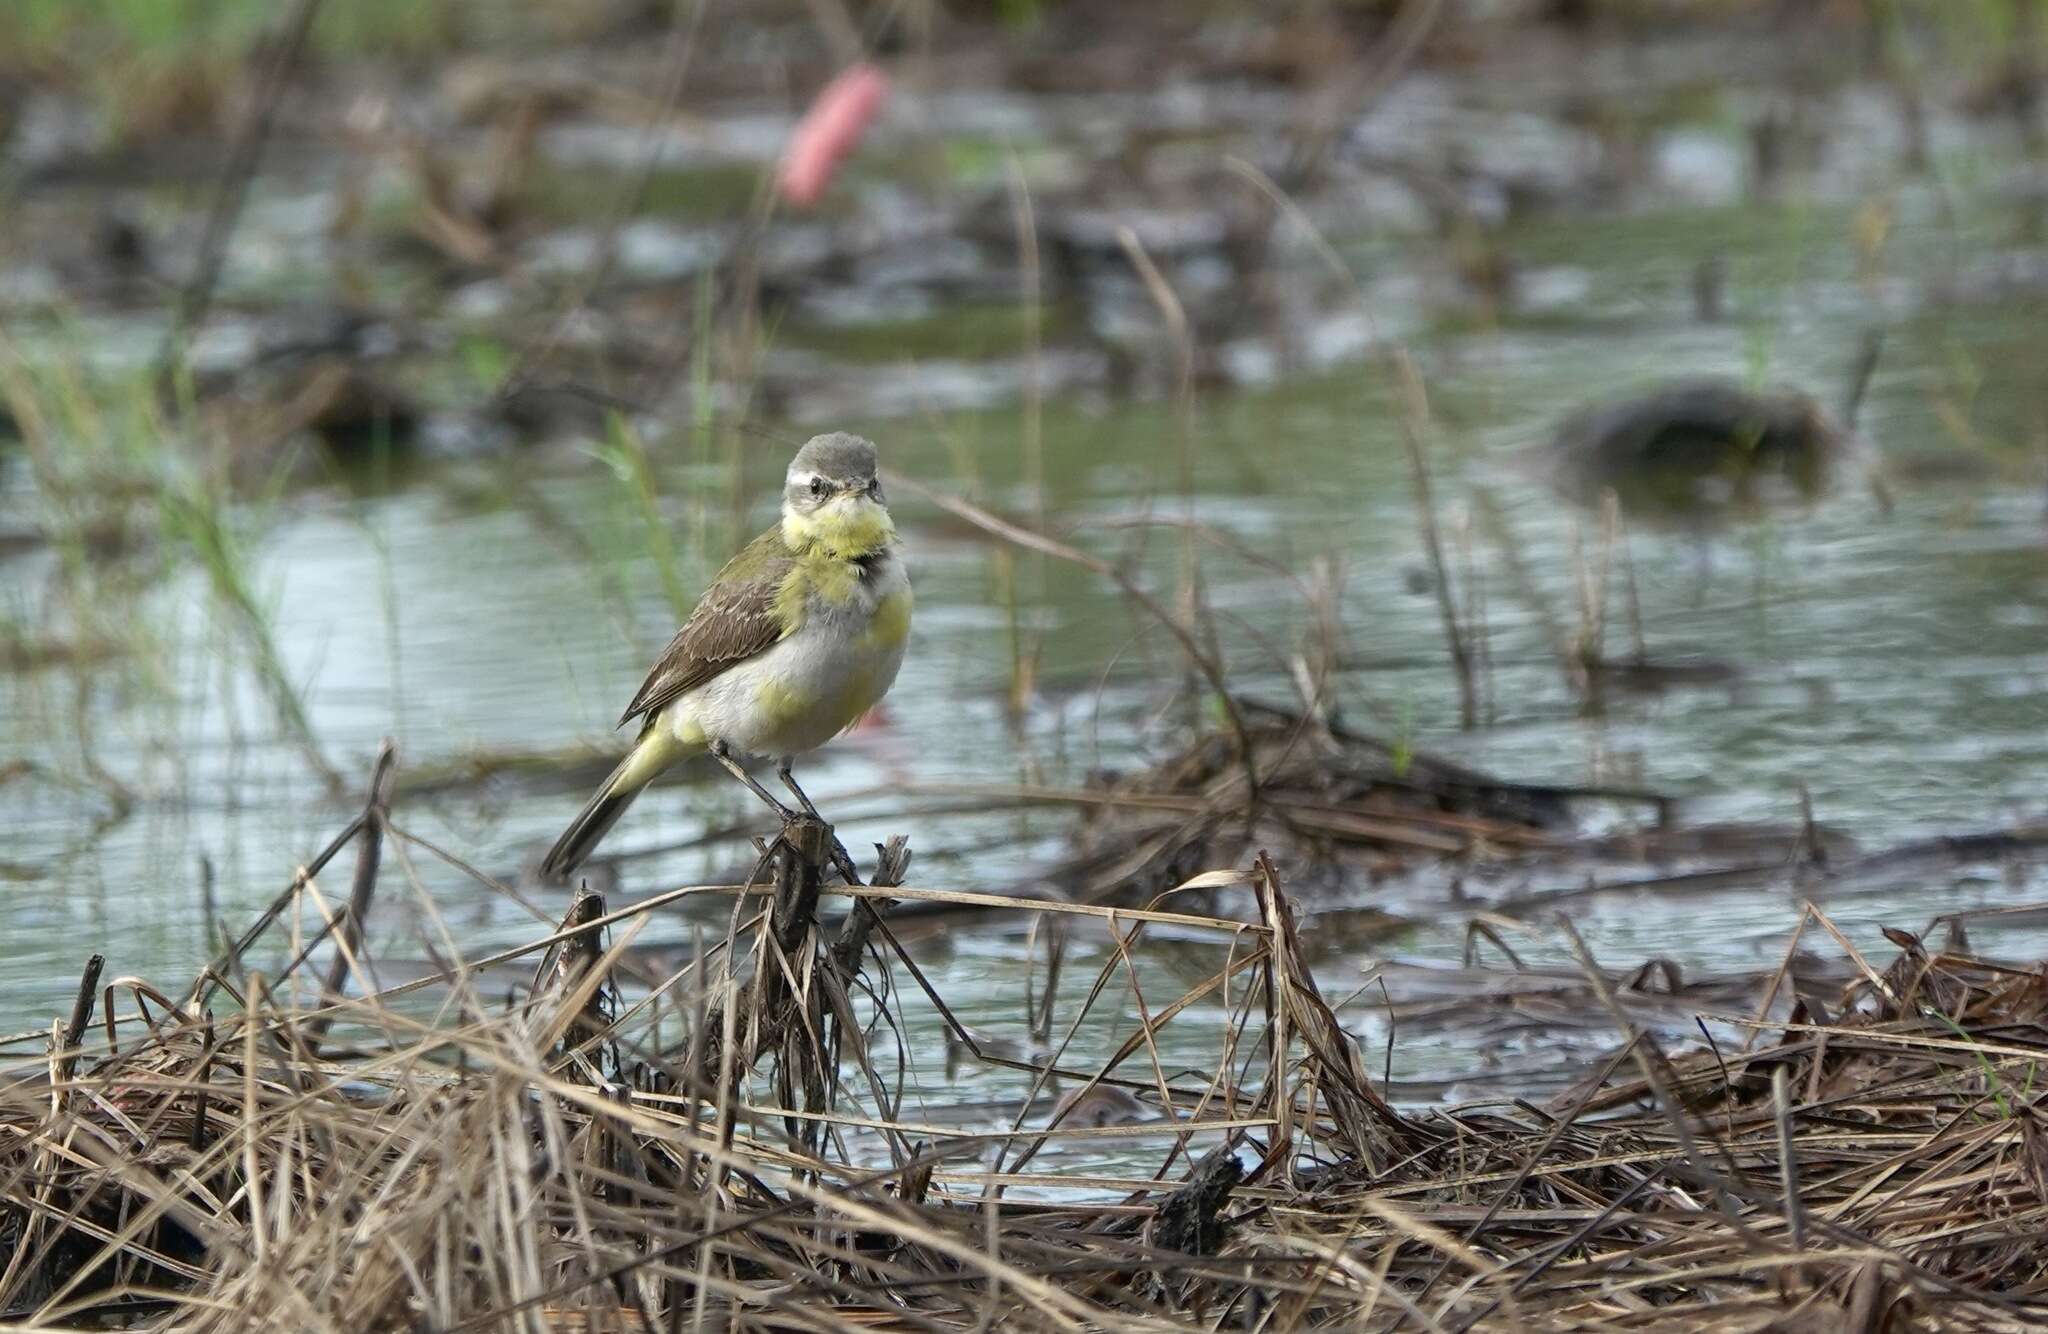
pixel 826 542
pixel 848 528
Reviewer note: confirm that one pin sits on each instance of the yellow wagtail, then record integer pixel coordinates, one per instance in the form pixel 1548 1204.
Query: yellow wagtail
pixel 799 635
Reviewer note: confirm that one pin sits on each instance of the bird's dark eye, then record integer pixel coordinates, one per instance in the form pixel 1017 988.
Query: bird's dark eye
pixel 875 487
pixel 819 486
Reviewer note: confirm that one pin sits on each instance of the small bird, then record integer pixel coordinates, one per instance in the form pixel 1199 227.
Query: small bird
pixel 800 634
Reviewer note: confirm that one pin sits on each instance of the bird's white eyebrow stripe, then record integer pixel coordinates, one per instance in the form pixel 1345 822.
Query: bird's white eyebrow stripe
pixel 804 479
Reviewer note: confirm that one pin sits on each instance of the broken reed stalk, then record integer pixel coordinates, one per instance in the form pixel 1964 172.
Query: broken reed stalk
pixel 1181 336
pixel 796 1008
pixel 363 887
pixel 66 1055
pixel 1508 546
pixel 1024 657
pixel 1590 579
pixel 1594 583
pixel 565 990
pixel 1413 24
pixel 1637 645
pixel 1415 426
pixel 1478 628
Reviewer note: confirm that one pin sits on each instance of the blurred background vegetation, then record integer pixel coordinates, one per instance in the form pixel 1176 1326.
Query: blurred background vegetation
pixel 374 368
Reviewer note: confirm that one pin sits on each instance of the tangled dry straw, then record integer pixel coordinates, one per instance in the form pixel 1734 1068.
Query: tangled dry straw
pixel 727 1146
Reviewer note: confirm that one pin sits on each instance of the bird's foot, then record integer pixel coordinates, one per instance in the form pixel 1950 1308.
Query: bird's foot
pixel 842 862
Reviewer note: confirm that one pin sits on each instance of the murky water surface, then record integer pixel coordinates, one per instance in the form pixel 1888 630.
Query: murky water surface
pixel 1892 667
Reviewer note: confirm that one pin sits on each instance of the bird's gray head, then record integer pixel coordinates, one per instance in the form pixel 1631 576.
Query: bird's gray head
pixel 828 468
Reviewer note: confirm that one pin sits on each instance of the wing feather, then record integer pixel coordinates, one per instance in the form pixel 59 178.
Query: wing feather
pixel 733 621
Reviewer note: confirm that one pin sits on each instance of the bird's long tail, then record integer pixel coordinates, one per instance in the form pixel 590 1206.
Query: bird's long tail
pixel 655 751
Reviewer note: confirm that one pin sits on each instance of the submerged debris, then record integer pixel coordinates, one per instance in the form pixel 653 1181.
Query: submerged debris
pixel 1330 796
pixel 1698 449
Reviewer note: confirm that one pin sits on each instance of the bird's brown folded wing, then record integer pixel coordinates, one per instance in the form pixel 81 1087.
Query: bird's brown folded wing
pixel 734 621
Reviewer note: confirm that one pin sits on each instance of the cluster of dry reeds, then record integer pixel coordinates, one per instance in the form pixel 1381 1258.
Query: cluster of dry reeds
pixel 732 1144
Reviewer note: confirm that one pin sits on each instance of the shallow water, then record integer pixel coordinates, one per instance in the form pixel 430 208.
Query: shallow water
pixel 1893 667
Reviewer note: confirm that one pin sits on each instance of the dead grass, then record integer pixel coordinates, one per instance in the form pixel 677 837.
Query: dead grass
pixel 731 1145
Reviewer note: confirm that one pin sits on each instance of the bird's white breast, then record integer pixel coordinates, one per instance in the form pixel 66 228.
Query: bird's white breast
pixel 816 682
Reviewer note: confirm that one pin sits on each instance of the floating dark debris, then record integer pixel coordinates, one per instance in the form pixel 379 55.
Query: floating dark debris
pixel 1698 449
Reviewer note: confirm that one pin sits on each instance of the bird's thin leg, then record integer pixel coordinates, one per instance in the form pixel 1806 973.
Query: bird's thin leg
pixel 782 771
pixel 723 754
pixel 839 857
